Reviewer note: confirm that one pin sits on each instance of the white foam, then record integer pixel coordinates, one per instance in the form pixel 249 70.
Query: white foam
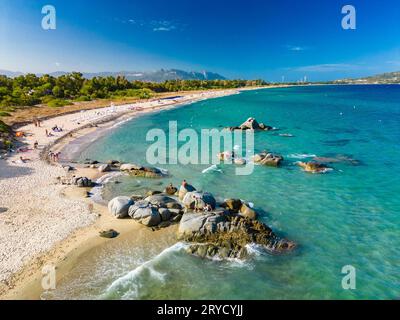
pixel 301 155
pixel 214 168
pixel 129 284
pixel 100 183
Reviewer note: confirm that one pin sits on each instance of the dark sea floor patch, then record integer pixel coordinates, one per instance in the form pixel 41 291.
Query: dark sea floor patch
pixel 336 143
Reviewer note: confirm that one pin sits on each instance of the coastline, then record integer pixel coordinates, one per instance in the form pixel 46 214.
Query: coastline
pixel 20 278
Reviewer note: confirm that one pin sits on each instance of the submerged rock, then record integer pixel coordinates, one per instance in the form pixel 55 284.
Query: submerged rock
pixel 314 167
pixel 139 171
pixel 119 206
pixel 110 234
pixel 268 159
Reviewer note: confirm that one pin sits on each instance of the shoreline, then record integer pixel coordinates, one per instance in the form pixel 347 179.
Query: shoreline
pixel 23 281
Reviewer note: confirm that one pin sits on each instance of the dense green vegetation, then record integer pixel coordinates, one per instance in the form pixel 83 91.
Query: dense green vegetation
pixel 29 90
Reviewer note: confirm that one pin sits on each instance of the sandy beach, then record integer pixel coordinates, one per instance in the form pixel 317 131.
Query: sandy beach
pixel 43 222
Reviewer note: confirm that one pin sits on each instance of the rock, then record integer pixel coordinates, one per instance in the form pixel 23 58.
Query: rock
pixel 314 167
pixel 110 234
pixel 145 213
pixel 246 212
pixel 119 206
pixel 104 168
pixel 152 193
pixel 92 162
pixel 193 223
pixel 164 224
pixel 227 236
pixel 185 188
pixel 138 171
pixel 268 159
pixel 136 197
pixel 174 205
pixel 239 161
pixel 177 218
pixel 114 163
pixel 68 168
pixel 232 205
pixel 160 200
pixel 165 214
pixel 171 190
pixel 199 200
pixel 129 167
pixel 250 124
pixel 175 212
pixel 82 182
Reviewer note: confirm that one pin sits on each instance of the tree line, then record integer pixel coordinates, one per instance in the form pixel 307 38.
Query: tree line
pixel 29 89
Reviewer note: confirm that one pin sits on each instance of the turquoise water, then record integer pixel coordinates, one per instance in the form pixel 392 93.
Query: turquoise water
pixel 349 216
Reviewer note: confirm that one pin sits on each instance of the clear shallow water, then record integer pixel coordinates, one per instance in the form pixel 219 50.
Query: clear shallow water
pixel 350 216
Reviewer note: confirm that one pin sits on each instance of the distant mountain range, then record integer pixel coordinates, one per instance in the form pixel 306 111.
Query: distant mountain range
pixel 154 76
pixel 384 78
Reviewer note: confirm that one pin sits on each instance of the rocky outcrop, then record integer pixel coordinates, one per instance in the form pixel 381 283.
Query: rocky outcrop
pixel 314 167
pixel 139 171
pixel 223 235
pixel 119 206
pixel 268 159
pixel 252 124
pixel 212 231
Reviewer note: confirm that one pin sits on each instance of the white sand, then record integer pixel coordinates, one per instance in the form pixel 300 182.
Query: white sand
pixel 34 214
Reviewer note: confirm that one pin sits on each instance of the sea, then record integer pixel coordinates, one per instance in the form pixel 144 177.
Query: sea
pixel 346 222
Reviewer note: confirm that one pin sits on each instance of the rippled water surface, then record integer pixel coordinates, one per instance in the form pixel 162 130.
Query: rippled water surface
pixel 349 216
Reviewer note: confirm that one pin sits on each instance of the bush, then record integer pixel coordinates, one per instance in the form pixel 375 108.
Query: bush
pixel 3 127
pixel 57 103
pixel 4 114
pixel 83 98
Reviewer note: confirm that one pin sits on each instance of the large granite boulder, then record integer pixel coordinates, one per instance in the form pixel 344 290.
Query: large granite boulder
pixel 161 200
pixel 104 168
pixel 145 213
pixel 119 206
pixel 199 200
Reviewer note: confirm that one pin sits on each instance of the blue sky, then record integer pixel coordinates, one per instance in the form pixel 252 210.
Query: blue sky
pixel 247 38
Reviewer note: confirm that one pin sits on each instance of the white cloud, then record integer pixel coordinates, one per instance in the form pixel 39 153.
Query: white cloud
pixel 328 67
pixel 296 48
pixel 57 64
pixel 164 28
